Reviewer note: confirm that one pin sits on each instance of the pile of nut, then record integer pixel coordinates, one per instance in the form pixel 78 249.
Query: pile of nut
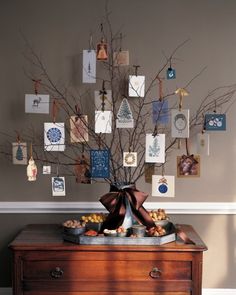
pixel 159 214
pixel 72 224
pixel 156 231
pixel 94 217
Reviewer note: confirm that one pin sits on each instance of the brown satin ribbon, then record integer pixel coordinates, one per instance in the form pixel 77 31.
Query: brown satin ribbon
pixel 180 233
pixel 115 203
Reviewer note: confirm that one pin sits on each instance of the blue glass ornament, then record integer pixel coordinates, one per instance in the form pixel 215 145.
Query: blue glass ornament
pixel 163 188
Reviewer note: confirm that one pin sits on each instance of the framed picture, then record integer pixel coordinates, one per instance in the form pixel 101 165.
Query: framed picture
pixel 58 186
pixel 188 166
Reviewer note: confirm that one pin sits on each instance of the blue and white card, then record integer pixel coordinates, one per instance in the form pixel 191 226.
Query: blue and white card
pixel 215 122
pixel 163 186
pixel 89 66
pixel 160 112
pixel 58 186
pixel 99 161
pixel 54 137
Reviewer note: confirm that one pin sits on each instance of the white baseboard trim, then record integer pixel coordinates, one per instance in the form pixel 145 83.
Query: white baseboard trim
pixel 87 207
pixel 8 291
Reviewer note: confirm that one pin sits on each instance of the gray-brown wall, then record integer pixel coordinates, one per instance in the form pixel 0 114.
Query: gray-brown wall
pixel 60 30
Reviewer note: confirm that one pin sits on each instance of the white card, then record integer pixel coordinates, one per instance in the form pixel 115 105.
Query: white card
pixel 121 58
pixel 46 169
pixel 180 123
pixel 89 66
pixel 54 137
pixel 203 144
pixel 38 104
pixel 103 101
pixel 136 86
pixel 124 115
pixel 58 186
pixel 129 159
pixel 155 148
pixel 19 153
pixel 103 121
pixel 79 128
pixel 163 186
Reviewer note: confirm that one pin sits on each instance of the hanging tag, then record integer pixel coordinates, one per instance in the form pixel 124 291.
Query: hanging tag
pixel 58 186
pixel 103 122
pixel 170 73
pixel 160 112
pixel 32 170
pixel 89 66
pixel 19 153
pixel 180 123
pixel 136 86
pixel 37 103
pixel 54 137
pixel 79 128
pixel 149 170
pixel 99 161
pixel 155 148
pixel 103 101
pixel 163 186
pixel 203 144
pixel 102 50
pixel 130 159
pixel 82 170
pixel 46 169
pixel 188 166
pixel 215 122
pixel 121 58
pixel 124 115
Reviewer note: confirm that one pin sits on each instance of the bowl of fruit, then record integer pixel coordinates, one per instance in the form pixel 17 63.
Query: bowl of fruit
pixel 73 227
pixel 93 221
pixel 159 217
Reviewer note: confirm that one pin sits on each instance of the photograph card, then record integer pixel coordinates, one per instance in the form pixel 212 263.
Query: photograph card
pixel 37 103
pixel 124 115
pixel 58 186
pixel 103 122
pixel 163 186
pixel 19 153
pixel 155 148
pixel 121 58
pixel 160 112
pixel 89 66
pixel 130 159
pixel 103 101
pixel 79 129
pixel 188 166
pixel 215 122
pixel 99 163
pixel 203 144
pixel 54 137
pixel 136 86
pixel 180 123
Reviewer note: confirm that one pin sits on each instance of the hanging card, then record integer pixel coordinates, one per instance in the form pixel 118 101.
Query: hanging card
pixel 203 144
pixel 82 170
pixel 188 166
pixel 103 101
pixel 121 58
pixel 102 53
pixel 99 161
pixel 129 159
pixel 136 86
pixel 215 122
pixel 46 169
pixel 37 103
pixel 163 186
pixel 58 186
pixel 89 66
pixel 19 153
pixel 160 112
pixel 124 115
pixel 103 121
pixel 180 123
pixel 155 148
pixel 170 74
pixel 79 128
pixel 149 170
pixel 54 137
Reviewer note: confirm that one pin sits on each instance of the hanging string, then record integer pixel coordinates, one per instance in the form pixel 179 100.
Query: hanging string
pixel 163 170
pixel 54 110
pixel 160 83
pixel 155 131
pixel 187 146
pixel 31 150
pixel 214 106
pixel 121 37
pixel 136 69
pixel 90 43
pixel 36 86
pixel 103 92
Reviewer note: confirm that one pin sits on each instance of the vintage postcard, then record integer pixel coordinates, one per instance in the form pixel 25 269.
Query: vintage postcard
pixel 130 159
pixel 121 58
pixel 215 122
pixel 124 115
pixel 100 163
pixel 160 112
pixel 188 166
pixel 37 103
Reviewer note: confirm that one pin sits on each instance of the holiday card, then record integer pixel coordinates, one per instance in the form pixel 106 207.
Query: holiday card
pixel 54 137
pixel 180 123
pixel 136 86
pixel 163 186
pixel 188 166
pixel 58 186
pixel 203 144
pixel 37 103
pixel 89 66
pixel 103 100
pixel 160 112
pixel 79 128
pixel 102 53
pixel 170 74
pixel 215 122
pixel 121 58
pixel 99 161
pixel 19 153
pixel 47 169
pixel 124 115
pixel 155 148
pixel 103 121
pixel 129 159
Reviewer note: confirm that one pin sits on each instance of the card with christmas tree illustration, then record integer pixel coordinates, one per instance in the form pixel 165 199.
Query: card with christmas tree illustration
pixel 99 163
pixel 180 123
pixel 54 137
pixel 136 86
pixel 103 100
pixel 103 121
pixel 124 115
pixel 89 66
pixel 37 103
pixel 19 153
pixel 160 112
pixel 203 144
pixel 155 148
pixel 163 186
pixel 121 58
pixel 129 159
pixel 79 128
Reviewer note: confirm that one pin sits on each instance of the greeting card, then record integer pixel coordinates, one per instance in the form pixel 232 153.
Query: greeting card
pixel 136 86
pixel 160 112
pixel 47 169
pixel 121 58
pixel 103 100
pixel 203 144
pixel 99 161
pixel 129 159
pixel 155 148
pixel 54 137
pixel 163 186
pixel 58 186
pixel 89 66
pixel 102 52
pixel 180 123
pixel 79 128
pixel 215 122
pixel 124 115
pixel 37 103
pixel 19 153
pixel 103 122
pixel 170 73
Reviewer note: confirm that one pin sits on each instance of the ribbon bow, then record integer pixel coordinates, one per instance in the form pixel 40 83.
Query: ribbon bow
pixel 115 203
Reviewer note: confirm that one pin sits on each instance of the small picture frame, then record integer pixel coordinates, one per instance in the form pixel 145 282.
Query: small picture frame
pixel 188 166
pixel 58 186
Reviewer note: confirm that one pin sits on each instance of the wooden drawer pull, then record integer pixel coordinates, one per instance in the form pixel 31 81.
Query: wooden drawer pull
pixel 56 273
pixel 155 273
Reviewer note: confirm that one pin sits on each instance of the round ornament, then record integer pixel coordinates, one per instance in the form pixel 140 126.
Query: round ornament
pixel 54 134
pixel 162 188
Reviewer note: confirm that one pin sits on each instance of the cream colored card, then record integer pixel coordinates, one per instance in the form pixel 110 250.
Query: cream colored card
pixel 155 148
pixel 103 122
pixel 180 123
pixel 79 128
pixel 163 186
pixel 129 159
pixel 136 86
pixel 203 144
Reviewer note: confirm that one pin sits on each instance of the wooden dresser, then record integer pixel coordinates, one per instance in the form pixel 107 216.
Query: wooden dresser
pixel 44 264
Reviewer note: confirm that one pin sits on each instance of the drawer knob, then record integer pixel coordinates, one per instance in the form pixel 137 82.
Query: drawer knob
pixel 56 273
pixel 155 273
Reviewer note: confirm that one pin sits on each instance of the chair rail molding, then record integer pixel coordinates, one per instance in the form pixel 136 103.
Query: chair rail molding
pixel 88 207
